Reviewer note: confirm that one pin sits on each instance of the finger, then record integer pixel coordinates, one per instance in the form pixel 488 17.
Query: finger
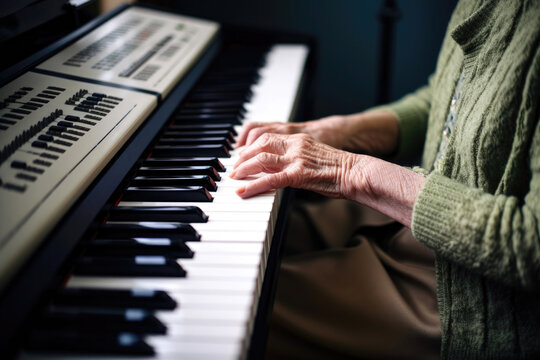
pixel 241 141
pixel 270 143
pixel 254 134
pixel 264 184
pixel 263 162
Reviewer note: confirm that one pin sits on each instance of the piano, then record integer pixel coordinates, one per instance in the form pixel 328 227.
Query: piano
pixel 120 231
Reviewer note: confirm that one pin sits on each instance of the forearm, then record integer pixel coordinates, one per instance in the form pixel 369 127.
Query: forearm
pixel 388 188
pixel 373 132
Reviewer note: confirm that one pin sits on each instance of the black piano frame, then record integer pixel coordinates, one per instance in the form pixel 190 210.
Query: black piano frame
pixel 31 288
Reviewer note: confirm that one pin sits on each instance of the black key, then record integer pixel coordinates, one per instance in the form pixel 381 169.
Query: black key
pixel 183 232
pixel 193 150
pixel 199 134
pixel 72 341
pixel 214 104
pixel 179 171
pixel 184 214
pixel 202 127
pixel 111 299
pixel 208 119
pixel 107 298
pixel 187 161
pixel 195 141
pixel 175 181
pixel 230 111
pixel 231 86
pixel 167 194
pixel 139 246
pixel 209 96
pixel 101 320
pixel 144 266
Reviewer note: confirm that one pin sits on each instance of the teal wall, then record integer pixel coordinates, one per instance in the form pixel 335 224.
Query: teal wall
pixel 347 33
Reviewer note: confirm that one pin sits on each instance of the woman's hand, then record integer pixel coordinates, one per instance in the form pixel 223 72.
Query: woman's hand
pixel 373 132
pixel 294 160
pixel 300 161
pixel 325 130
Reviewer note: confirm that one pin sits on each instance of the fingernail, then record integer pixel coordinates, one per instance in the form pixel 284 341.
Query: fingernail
pixel 241 190
pixel 233 174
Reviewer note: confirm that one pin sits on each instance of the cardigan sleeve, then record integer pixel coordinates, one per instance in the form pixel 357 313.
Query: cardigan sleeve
pixel 412 112
pixel 497 236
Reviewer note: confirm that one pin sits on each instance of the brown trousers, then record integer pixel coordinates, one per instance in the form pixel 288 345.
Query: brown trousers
pixel 353 284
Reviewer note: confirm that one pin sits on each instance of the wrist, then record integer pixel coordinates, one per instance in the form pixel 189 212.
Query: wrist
pixel 373 132
pixel 386 187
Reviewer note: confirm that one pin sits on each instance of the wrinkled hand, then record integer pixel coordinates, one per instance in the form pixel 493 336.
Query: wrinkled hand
pixel 297 161
pixel 328 130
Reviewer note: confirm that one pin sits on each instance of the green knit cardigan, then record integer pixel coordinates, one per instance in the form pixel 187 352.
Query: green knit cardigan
pixel 481 212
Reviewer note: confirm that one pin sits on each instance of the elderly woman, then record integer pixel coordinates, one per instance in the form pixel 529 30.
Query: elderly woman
pixel 358 284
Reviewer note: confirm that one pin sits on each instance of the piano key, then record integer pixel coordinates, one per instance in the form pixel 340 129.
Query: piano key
pixel 202 127
pixel 77 342
pixel 175 181
pixel 190 150
pixel 218 96
pixel 177 231
pixel 178 171
pixel 199 134
pixel 185 214
pixel 185 194
pixel 238 111
pixel 150 266
pixel 215 231
pixel 210 291
pixel 139 246
pixel 166 284
pixel 240 209
pixel 214 104
pixel 92 320
pixel 179 140
pixel 209 119
pixel 134 298
pixel 185 161
pixel 225 87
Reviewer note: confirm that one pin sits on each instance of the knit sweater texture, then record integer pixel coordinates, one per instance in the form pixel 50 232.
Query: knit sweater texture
pixel 480 212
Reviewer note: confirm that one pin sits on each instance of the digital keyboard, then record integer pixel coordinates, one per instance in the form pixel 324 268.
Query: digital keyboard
pixel 121 203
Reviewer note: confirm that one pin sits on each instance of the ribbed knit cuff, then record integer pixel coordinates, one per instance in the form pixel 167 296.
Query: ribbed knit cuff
pixel 436 211
pixel 411 127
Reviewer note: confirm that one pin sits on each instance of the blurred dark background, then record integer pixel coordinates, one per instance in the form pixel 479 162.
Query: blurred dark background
pixel 347 33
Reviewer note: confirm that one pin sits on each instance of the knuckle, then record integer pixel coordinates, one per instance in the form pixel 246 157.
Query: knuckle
pixel 263 158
